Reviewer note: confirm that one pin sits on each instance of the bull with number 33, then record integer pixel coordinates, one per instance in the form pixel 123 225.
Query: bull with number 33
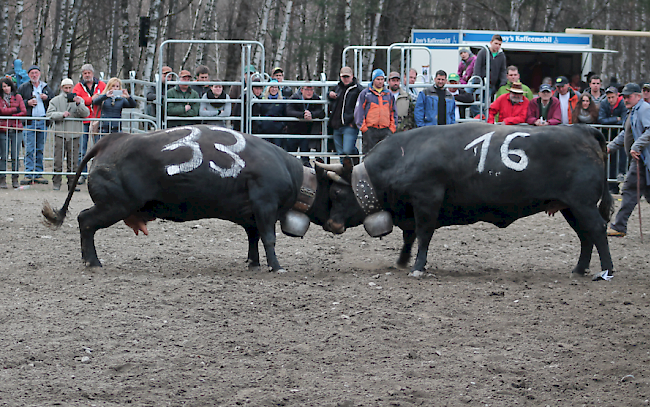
pixel 198 172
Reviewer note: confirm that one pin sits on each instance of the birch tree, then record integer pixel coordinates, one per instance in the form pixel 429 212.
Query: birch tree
pixel 18 31
pixel 261 35
pixel 150 53
pixel 194 24
pixel 125 38
pixel 208 17
pixel 283 36
pixel 4 24
pixel 42 12
pixel 373 38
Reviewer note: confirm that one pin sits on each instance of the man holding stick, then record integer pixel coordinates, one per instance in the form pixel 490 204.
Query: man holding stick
pixel 635 138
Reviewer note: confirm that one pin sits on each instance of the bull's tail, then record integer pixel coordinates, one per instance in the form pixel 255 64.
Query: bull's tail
pixel 54 218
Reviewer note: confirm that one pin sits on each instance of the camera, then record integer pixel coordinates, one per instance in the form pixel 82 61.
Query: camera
pixel 71 97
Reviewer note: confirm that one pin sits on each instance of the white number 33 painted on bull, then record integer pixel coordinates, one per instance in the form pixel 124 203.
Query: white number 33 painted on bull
pixel 506 152
pixel 191 141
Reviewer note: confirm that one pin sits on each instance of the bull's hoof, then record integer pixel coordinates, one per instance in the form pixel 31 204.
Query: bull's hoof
pixel 416 273
pixel 254 268
pixel 604 275
pixel 93 263
pixel 280 271
pixel 403 262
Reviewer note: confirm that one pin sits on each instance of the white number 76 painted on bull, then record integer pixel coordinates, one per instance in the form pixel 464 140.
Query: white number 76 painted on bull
pixel 505 151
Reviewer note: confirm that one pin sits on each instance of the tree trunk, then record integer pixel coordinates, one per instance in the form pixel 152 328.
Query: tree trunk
pixel 194 24
pixel 71 21
pixel 150 54
pixel 283 36
pixel 208 17
pixel 515 13
pixel 373 39
pixel 125 36
pixel 264 23
pixel 113 42
pixel 348 23
pixel 58 33
pixel 238 31
pixel 170 33
pixel 608 39
pixel 4 24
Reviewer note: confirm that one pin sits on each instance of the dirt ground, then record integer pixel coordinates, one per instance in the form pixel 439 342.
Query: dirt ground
pixel 176 318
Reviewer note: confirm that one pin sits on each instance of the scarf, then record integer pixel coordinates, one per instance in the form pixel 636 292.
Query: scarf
pixel 212 96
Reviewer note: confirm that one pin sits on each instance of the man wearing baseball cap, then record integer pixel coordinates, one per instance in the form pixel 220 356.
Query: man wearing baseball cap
pixel 635 138
pixel 342 101
pixel 612 111
pixel 36 95
pixel 544 110
pixel 182 109
pixel 460 95
pixel 568 98
pixel 402 102
pixel 278 74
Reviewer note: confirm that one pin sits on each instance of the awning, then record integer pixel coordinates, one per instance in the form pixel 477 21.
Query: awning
pixel 545 48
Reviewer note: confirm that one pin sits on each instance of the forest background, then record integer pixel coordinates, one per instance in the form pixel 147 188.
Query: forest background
pixel 304 37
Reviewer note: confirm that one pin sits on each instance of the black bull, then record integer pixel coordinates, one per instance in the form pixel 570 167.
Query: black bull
pixel 190 173
pixel 461 174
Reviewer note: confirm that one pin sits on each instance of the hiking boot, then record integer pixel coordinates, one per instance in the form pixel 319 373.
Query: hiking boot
pixel 613 232
pixel 56 187
pixel 3 183
pixel 27 181
pixel 41 180
pixel 14 181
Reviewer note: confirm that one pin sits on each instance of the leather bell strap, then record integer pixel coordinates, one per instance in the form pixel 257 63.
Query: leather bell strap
pixel 307 192
pixel 363 190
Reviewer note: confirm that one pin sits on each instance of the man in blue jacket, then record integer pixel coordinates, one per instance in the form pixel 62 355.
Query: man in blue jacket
pixel 436 104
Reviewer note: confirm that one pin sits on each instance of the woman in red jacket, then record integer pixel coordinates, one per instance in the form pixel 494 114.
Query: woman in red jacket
pixel 11 104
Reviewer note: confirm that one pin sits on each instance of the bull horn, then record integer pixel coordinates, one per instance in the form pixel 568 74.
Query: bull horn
pixel 337 168
pixel 336 178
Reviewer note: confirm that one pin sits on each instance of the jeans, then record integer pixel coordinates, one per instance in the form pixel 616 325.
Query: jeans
pixel 629 195
pixel 292 145
pixel 34 136
pixel 83 148
pixel 345 140
pixel 9 145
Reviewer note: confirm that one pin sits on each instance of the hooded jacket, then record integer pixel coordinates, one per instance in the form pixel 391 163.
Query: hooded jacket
pixel 426 108
pixel 343 105
pixel 466 68
pixel 375 109
pixel 509 113
pixel 16 107
pixel 87 95
pixel 610 115
pixel 498 75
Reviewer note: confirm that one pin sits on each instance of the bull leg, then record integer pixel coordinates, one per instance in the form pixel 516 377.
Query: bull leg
pixel 405 254
pixel 426 222
pixel 90 221
pixel 253 259
pixel 594 226
pixel 586 245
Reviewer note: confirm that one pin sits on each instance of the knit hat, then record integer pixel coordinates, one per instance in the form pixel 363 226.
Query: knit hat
pixel 377 73
pixel 66 81
pixel 33 67
pixel 464 49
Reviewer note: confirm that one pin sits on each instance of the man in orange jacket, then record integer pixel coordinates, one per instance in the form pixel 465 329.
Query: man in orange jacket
pixel 568 98
pixel 511 108
pixel 375 113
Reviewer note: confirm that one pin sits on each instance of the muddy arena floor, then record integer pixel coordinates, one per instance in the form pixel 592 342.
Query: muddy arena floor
pixel 177 319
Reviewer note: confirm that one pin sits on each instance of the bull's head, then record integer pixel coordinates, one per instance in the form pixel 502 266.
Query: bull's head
pixel 345 210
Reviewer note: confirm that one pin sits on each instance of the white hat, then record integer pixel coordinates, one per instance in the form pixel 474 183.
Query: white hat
pixel 66 81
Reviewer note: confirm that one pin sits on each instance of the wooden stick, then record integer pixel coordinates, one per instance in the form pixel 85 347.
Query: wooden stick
pixel 638 194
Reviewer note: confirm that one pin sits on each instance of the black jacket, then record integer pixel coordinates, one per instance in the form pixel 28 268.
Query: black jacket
pixel 25 90
pixel 498 76
pixel 298 110
pixel 343 106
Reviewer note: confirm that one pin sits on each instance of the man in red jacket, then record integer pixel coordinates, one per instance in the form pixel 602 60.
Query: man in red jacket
pixel 544 110
pixel 87 88
pixel 511 108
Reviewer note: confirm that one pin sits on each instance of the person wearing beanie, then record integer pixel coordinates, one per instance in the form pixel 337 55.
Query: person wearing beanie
pixel 66 132
pixel 36 95
pixel 375 113
pixel 466 64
